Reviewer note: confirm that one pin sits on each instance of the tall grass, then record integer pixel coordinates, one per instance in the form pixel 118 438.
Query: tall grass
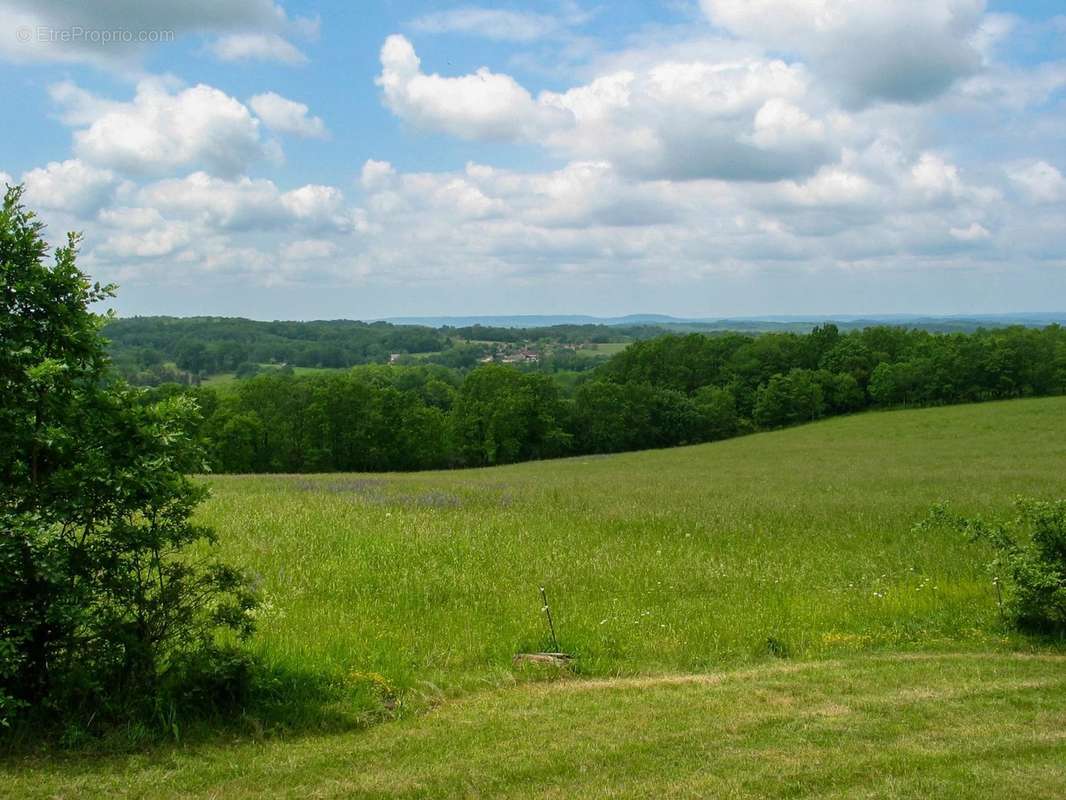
pixel 795 543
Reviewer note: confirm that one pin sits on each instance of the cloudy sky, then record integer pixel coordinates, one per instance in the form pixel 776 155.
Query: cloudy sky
pixel 712 158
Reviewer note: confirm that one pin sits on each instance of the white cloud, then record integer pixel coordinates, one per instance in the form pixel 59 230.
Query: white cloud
pixel 157 241
pixel 1013 88
pixel 130 217
pixel 319 206
pixel 935 178
pixel 248 204
pixel 893 50
pixel 376 174
pixel 256 47
pixel 160 131
pixel 71 186
pixel 485 105
pixel 751 119
pixel 288 116
pixel 586 220
pixel 79 106
pixel 1039 181
pixel 836 188
pixel 975 232
pixel 201 225
pixel 242 204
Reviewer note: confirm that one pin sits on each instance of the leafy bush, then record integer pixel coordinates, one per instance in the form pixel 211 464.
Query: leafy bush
pixel 1030 559
pixel 105 582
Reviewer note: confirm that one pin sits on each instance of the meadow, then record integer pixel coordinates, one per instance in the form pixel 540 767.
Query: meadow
pixel 760 602
pixel 686 559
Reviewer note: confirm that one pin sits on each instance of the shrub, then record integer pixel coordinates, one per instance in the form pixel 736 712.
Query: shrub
pixel 1030 559
pixel 105 581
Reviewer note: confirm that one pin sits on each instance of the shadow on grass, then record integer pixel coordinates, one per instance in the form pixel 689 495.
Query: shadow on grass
pixel 232 698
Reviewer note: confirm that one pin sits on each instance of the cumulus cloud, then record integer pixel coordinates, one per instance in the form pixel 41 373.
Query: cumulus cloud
pixel 485 105
pixel 162 130
pixel 1038 181
pixel 248 204
pixel 152 242
pixel 585 219
pixel 741 120
pixel 376 174
pixel 288 116
pixel 906 51
pixel 71 186
pixel 589 217
pixel 202 225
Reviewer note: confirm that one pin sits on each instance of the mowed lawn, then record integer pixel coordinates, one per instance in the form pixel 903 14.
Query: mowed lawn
pixel 756 616
pixel 961 726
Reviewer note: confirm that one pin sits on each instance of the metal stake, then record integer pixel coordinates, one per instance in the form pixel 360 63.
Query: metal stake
pixel 548 614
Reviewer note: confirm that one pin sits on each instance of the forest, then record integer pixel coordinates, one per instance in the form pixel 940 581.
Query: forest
pixel 662 392
pixel 149 351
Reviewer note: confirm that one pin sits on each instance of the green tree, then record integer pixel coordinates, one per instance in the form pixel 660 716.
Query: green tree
pixel 788 399
pixel 502 415
pixel 840 391
pixel 718 408
pixel 99 595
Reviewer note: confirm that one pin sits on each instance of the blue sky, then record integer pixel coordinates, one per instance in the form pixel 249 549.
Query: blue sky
pixel 713 158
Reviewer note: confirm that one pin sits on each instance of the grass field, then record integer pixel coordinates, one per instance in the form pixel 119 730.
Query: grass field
pixel 225 380
pixel 676 560
pixel 603 348
pixel 945 726
pixel 784 563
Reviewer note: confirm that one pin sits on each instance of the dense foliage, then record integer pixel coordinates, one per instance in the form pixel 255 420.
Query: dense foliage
pixel 148 349
pixel 675 389
pixel 102 587
pixel 1030 559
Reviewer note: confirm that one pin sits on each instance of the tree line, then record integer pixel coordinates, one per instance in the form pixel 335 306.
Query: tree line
pixel 145 350
pixel 667 391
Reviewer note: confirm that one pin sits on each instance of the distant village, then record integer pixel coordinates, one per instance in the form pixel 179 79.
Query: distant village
pixel 512 354
pixel 508 353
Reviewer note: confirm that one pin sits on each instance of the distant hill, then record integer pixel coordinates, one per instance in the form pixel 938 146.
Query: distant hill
pixel 534 320
pixel 782 322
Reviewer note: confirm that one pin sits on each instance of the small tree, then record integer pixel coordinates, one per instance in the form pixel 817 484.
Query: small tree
pixel 103 582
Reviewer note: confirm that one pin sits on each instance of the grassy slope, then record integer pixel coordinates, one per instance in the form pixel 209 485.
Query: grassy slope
pixel 676 560
pixel 680 561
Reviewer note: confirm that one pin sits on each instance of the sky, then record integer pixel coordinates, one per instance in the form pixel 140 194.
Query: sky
pixel 710 158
